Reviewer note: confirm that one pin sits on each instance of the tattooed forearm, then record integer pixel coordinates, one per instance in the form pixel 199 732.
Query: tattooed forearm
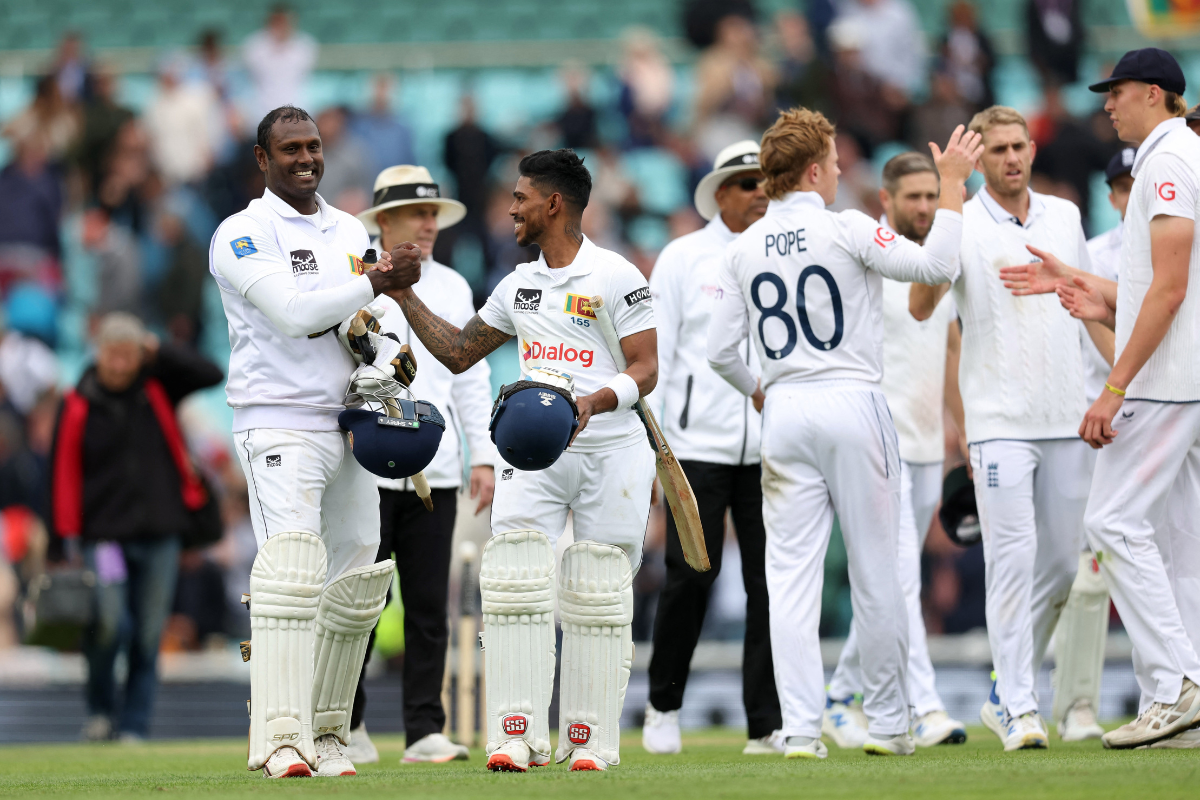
pixel 457 348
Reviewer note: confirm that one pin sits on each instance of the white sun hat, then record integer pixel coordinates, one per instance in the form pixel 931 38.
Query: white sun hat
pixel 738 157
pixel 406 185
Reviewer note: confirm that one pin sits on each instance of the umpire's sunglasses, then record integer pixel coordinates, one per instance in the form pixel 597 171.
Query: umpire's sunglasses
pixel 746 184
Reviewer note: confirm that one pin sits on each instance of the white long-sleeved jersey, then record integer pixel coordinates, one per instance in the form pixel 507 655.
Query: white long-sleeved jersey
pixel 703 417
pixel 465 400
pixel 807 284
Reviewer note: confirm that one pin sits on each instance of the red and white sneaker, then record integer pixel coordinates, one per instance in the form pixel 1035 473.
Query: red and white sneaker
pixel 515 756
pixel 286 763
pixel 584 760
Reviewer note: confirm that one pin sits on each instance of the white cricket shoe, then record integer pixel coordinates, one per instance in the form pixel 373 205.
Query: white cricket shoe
pixel 286 763
pixel 515 756
pixel 845 723
pixel 770 745
pixel 361 749
pixel 584 760
pixel 804 747
pixel 937 727
pixel 1079 723
pixel 436 749
pixel 1159 721
pixel 660 732
pixel 900 745
pixel 331 761
pixel 1188 740
pixel 992 715
pixel 1026 732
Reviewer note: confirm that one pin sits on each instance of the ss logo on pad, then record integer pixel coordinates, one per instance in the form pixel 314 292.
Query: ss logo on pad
pixel 514 725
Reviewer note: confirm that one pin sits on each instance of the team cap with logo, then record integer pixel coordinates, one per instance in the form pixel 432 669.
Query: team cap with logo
pixel 738 157
pixel 407 185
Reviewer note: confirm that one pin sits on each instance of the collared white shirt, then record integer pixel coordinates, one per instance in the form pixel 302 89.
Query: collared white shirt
pixel 703 417
pixel 549 311
pixel 276 380
pixel 1105 253
pixel 806 284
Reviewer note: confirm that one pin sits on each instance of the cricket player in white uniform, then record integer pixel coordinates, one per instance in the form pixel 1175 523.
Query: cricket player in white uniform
pixel 603 478
pixel 290 266
pixel 409 207
pixel 1144 500
pixel 1022 383
pixel 920 363
pixel 806 284
pixel 714 432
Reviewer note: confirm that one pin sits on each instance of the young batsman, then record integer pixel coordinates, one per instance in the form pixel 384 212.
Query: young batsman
pixel 806 285
pixel 603 479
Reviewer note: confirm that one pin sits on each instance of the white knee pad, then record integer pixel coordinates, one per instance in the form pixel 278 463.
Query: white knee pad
pixel 285 586
pixel 595 601
pixel 1080 638
pixel 516 581
pixel 349 609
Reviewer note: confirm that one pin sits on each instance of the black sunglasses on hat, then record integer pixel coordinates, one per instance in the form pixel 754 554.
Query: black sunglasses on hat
pixel 1148 65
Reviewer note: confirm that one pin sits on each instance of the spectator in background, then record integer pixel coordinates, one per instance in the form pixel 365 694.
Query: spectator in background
pixel 181 123
pixel 49 119
pixel 968 57
pixel 181 293
pixel 122 491
pixel 71 70
pixel 468 153
pixel 936 118
pixel 577 122
pixel 735 87
pixel 803 78
pixel 860 98
pixel 28 396
pixel 384 135
pixel 1068 153
pixel 893 46
pixel 1056 34
pixel 280 61
pixel 210 68
pixel 857 187
pixel 31 201
pixel 128 180
pixel 28 369
pixel 103 119
pixel 118 263
pixel 346 181
pixel 647 88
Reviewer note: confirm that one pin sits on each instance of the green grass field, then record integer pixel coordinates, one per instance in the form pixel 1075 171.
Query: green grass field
pixel 711 767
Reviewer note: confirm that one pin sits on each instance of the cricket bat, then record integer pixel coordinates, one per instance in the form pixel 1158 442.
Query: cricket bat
pixel 678 491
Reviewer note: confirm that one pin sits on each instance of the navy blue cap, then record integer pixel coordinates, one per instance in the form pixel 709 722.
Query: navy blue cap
pixel 1148 65
pixel 1120 164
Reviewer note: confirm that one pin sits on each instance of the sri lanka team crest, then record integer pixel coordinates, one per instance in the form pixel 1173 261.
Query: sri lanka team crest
pixel 243 246
pixel 357 265
pixel 578 306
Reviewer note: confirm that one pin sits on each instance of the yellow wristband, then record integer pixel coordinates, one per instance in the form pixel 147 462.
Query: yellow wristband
pixel 1114 390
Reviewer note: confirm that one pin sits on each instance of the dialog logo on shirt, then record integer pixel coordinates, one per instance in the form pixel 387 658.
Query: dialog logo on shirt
pixel 556 352
pixel 578 306
pixel 304 262
pixel 637 296
pixel 357 265
pixel 243 247
pixel 527 301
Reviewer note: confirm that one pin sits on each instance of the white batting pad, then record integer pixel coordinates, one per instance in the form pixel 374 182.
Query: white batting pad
pixel 349 609
pixel 1080 638
pixel 285 585
pixel 516 580
pixel 595 602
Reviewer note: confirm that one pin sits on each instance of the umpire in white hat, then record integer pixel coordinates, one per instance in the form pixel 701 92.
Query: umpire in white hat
pixel 714 431
pixel 408 207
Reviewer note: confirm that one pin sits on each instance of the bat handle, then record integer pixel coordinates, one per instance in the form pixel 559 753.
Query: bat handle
pixel 421 485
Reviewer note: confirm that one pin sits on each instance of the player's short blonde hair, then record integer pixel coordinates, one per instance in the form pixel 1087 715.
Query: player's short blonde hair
pixel 1175 104
pixel 991 117
pixel 799 138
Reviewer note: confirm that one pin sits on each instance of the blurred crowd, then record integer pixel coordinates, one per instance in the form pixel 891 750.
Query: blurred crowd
pixel 106 210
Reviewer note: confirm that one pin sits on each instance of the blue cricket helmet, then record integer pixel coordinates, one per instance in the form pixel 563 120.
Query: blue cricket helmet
pixel 532 423
pixel 391 436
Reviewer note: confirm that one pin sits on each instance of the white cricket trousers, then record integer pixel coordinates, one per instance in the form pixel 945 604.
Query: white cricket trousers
pixel 1143 523
pixel 920 490
pixel 1031 497
pixel 310 482
pixel 830 447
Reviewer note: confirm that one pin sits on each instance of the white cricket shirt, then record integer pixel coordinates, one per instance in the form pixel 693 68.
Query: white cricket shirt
pixel 1166 181
pixel 806 284
pixel 465 400
pixel 275 380
pixel 703 417
pixel 1021 371
pixel 1105 253
pixel 549 312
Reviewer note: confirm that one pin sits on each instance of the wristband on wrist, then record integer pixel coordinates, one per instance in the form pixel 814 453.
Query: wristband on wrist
pixel 1114 390
pixel 626 390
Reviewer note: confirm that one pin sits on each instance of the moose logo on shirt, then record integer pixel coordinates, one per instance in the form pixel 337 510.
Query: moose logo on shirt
pixel 304 262
pixel 527 301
